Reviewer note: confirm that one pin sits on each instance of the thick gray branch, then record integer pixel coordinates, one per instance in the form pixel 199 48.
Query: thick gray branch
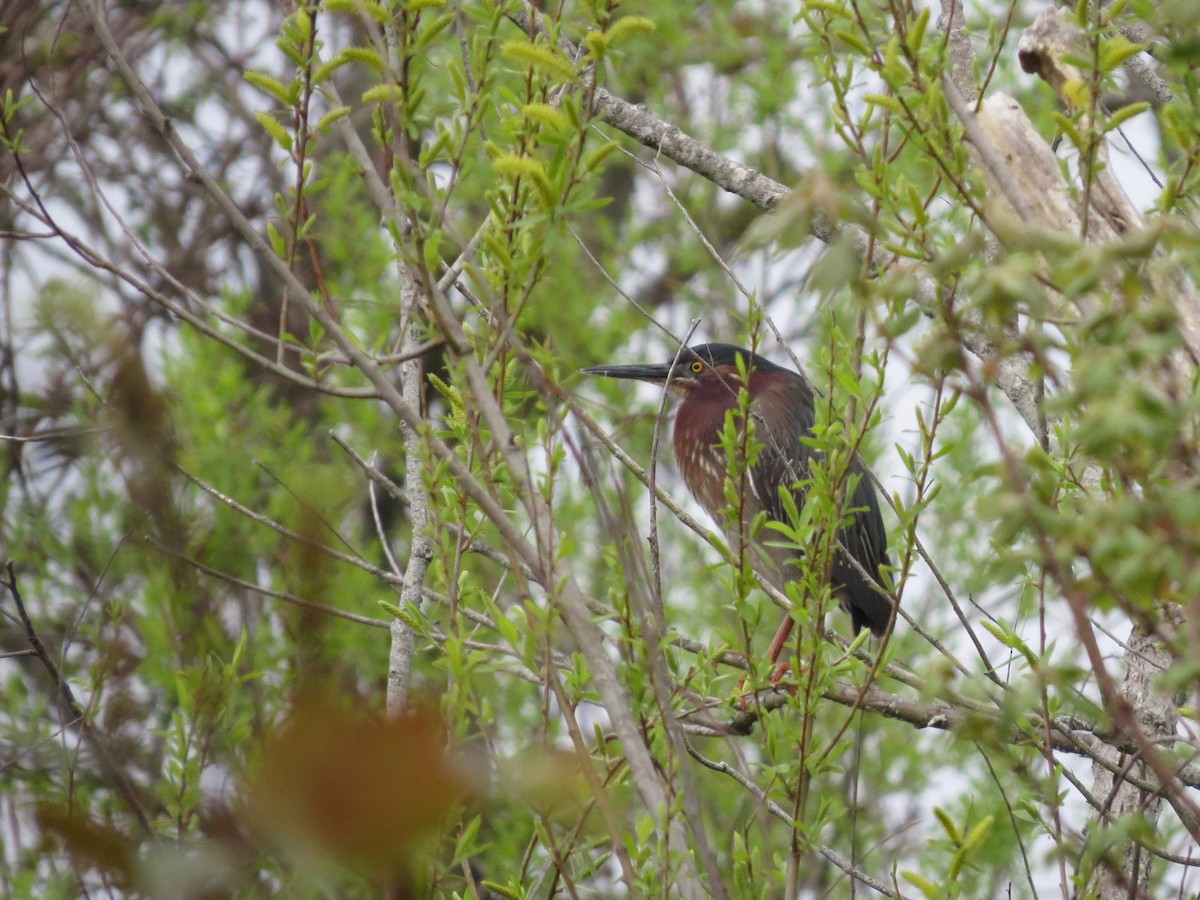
pixel 1108 216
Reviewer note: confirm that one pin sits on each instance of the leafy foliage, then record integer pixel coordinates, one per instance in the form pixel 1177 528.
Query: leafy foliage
pixel 329 577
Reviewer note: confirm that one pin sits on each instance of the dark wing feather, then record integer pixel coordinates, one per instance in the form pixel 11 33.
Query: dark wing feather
pixel 864 541
pixel 785 407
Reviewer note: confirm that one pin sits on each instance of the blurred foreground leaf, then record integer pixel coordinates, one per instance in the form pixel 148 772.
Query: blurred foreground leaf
pixel 353 786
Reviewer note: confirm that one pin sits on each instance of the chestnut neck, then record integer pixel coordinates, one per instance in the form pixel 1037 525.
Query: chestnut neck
pixel 702 413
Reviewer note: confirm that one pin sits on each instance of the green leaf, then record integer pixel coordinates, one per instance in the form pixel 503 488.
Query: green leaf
pixel 853 39
pixel 12 106
pixel 322 72
pixel 465 846
pixel 376 11
pixel 545 114
pixel 363 56
pixel 924 885
pixel 1067 127
pixel 830 8
pixel 947 824
pixel 916 34
pixel 629 26
pixel 430 153
pixel 1010 639
pixel 285 94
pixel 977 835
pixel 332 116
pixel 539 56
pixel 430 32
pixel 238 650
pixel 1077 92
pixel 969 845
pixel 597 156
pixel 1115 50
pixel 597 45
pixel 504 891
pixel 407 616
pixel 1117 119
pixel 281 135
pixel 514 166
pixel 278 244
pixel 384 93
pixel 303 23
pixel 886 101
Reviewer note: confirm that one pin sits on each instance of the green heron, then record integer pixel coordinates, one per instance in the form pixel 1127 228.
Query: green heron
pixel 782 407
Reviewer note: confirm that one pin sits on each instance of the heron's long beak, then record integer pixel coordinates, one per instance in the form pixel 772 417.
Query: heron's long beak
pixel 656 374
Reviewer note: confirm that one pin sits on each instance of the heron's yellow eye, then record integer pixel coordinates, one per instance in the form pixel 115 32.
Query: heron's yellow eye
pixel 697 367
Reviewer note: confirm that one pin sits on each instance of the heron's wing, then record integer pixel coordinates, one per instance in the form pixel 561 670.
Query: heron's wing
pixel 786 408
pixel 782 410
pixel 864 541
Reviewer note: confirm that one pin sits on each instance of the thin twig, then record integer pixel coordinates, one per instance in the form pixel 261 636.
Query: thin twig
pixel 267 592
pixel 987 153
pixel 66 699
pixel 780 813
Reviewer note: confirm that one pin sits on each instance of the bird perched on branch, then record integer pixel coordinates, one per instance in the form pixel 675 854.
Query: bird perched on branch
pixel 708 377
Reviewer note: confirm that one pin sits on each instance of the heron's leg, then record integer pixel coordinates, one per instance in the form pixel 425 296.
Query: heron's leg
pixel 777 645
pixel 781 636
pixel 776 650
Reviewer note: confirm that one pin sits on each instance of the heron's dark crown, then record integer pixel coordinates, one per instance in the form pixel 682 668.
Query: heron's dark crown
pixel 719 361
pixel 719 355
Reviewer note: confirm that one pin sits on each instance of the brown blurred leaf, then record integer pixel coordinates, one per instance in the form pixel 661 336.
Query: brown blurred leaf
pixel 364 789
pixel 89 844
pixel 142 415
